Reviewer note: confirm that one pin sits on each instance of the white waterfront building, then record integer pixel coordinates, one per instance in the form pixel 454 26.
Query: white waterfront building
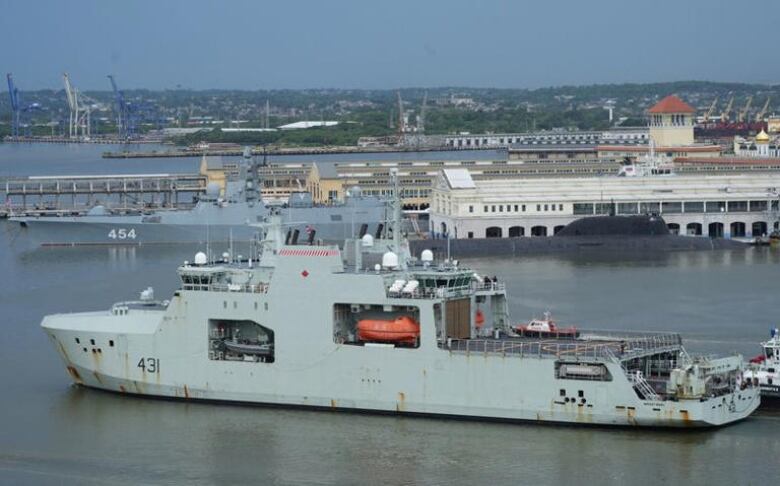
pixel 730 205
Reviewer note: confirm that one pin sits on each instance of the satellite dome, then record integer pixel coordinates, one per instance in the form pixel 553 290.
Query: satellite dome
pixel 212 189
pixel 367 241
pixel 390 260
pixel 426 256
pixel 200 258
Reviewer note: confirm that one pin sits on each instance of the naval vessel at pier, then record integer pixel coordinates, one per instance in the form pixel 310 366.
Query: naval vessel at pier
pixel 301 327
pixel 216 217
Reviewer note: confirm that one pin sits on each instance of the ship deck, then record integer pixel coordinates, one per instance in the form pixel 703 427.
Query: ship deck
pixel 590 344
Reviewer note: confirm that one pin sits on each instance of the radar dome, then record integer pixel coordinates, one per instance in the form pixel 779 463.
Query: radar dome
pixel 390 260
pixel 212 189
pixel 426 256
pixel 367 241
pixel 200 258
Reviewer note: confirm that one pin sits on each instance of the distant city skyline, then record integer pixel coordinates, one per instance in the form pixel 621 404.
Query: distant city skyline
pixel 243 44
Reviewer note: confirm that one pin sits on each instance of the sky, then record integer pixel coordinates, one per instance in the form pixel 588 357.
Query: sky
pixel 245 44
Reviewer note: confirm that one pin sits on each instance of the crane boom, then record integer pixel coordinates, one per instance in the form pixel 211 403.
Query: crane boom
pixel 760 114
pixel 743 114
pixel 711 110
pixel 13 92
pixel 724 117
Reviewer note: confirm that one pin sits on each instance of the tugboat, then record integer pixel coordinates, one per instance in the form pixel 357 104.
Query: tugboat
pixel 546 328
pixel 766 370
pixel 300 327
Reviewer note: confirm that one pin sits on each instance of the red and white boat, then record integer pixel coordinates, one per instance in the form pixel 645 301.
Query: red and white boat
pixel 546 328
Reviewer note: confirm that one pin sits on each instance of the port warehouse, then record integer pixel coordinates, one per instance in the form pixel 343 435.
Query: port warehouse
pixel 737 204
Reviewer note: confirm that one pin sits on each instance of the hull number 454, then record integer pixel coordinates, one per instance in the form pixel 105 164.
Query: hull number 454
pixel 122 234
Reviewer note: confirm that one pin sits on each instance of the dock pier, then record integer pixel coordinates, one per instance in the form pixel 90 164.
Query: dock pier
pixel 52 195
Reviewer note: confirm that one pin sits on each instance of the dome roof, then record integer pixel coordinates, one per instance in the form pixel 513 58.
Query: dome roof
pixel 762 136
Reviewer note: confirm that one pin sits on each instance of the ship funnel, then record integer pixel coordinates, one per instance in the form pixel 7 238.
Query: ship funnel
pixel 367 241
pixel 200 258
pixel 390 260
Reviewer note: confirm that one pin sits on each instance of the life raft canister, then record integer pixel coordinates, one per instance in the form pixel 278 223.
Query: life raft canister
pixel 479 318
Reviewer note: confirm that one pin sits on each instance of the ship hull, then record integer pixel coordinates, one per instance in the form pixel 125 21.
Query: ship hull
pixel 382 380
pixel 75 232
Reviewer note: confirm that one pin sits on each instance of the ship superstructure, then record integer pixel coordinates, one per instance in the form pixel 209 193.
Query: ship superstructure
pixel 300 327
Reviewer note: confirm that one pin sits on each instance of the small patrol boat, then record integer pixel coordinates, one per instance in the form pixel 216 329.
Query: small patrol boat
pixel 765 372
pixel 546 328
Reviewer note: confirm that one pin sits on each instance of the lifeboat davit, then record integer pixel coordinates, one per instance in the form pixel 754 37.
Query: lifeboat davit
pixel 401 330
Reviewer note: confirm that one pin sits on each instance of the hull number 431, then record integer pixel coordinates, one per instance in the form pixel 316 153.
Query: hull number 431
pixel 149 365
pixel 122 234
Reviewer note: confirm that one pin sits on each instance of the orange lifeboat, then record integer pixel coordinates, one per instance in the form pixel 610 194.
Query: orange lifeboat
pixel 401 330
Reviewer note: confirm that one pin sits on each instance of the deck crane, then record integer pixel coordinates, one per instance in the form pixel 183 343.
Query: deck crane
pixel 724 116
pixel 743 114
pixel 15 110
pixel 762 112
pixel 711 110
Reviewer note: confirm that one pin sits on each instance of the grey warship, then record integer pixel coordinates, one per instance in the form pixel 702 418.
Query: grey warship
pixel 407 335
pixel 214 218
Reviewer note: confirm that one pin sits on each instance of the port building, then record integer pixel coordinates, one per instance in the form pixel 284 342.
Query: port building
pixel 743 204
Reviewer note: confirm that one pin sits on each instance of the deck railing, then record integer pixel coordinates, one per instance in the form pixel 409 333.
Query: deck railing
pixel 259 288
pixel 446 292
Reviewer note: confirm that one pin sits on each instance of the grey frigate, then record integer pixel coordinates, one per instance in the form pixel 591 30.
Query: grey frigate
pixel 214 218
pixel 315 326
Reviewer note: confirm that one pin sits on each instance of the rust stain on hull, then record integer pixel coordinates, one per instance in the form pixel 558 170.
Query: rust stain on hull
pixel 97 377
pixel 74 373
pixel 122 389
pixel 400 406
pixel 186 392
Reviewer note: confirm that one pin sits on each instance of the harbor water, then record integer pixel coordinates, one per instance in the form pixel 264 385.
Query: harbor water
pixel 55 433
